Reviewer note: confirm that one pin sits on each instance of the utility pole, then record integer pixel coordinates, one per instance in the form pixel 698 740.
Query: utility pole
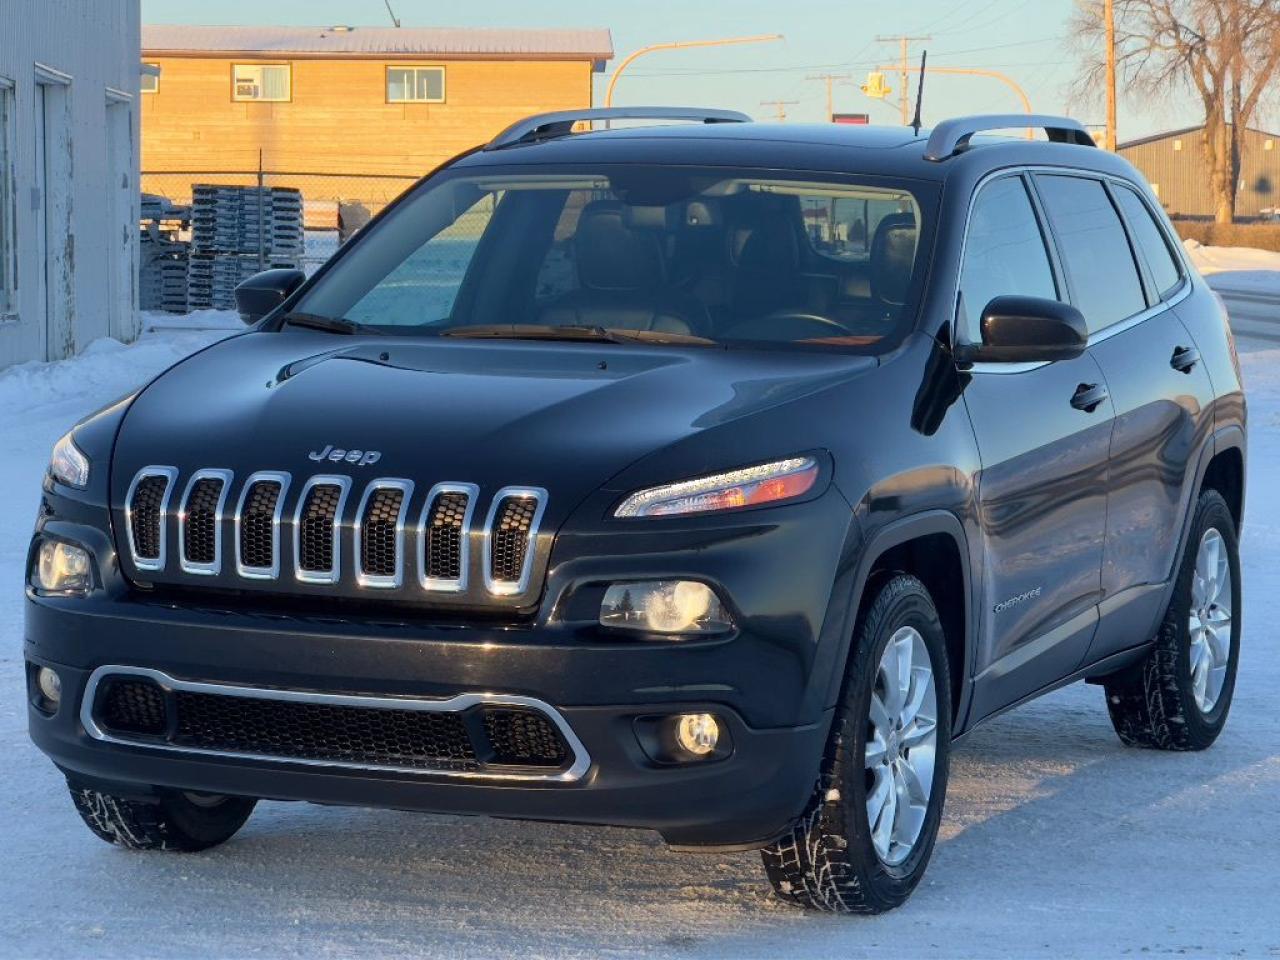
pixel 830 79
pixel 1109 12
pixel 904 49
pixel 780 106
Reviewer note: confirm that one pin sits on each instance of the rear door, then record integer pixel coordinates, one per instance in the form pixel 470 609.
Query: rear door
pixel 1043 487
pixel 1158 383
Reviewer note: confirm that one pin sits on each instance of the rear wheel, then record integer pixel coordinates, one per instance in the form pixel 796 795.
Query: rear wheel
pixel 1179 697
pixel 172 821
pixel 865 840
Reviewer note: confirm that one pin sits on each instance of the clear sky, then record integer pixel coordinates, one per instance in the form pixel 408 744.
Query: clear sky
pixel 1026 39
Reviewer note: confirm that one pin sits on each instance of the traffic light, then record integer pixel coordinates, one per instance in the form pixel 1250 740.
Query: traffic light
pixel 875 86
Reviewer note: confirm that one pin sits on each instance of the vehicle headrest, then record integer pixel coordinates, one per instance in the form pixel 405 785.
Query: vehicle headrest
pixel 893 252
pixel 768 244
pixel 613 256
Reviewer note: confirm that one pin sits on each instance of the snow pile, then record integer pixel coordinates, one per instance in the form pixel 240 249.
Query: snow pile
pixel 1057 841
pixel 1243 269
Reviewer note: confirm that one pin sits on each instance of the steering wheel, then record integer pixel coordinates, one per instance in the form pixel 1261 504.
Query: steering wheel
pixel 774 326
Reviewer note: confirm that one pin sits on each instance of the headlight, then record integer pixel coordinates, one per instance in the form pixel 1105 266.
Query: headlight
pixel 68 465
pixel 62 568
pixel 749 487
pixel 664 606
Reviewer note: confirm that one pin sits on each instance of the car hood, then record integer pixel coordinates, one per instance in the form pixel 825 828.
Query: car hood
pixel 562 416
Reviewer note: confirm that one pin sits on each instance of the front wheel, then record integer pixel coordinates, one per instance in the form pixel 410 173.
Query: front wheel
pixel 1179 697
pixel 185 822
pixel 865 840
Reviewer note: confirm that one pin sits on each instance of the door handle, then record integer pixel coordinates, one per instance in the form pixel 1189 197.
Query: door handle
pixel 1089 396
pixel 1184 358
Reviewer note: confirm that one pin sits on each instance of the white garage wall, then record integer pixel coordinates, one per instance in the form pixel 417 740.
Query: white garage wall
pixel 85 53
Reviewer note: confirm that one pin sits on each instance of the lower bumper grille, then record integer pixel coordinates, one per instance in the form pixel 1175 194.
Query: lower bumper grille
pixel 469 735
pixel 313 731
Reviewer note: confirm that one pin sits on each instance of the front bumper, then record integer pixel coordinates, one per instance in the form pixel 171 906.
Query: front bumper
pixel 742 800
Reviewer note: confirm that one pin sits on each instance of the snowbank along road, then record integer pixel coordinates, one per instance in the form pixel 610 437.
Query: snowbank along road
pixel 1057 841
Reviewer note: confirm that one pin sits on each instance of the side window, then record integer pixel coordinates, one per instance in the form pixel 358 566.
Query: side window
pixel 842 227
pixel 1150 240
pixel 1004 254
pixel 1094 248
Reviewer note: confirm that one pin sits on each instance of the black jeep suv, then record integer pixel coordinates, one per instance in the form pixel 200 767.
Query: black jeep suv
pixel 711 478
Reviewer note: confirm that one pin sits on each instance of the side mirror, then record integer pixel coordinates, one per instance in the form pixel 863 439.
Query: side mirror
pixel 263 292
pixel 1027 330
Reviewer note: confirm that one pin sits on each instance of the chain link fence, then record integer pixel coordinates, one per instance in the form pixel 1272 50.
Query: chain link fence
pixel 203 232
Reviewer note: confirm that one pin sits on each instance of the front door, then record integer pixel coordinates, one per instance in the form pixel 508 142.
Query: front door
pixel 1043 434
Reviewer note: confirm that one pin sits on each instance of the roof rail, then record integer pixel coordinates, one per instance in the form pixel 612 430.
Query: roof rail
pixel 546 126
pixel 952 136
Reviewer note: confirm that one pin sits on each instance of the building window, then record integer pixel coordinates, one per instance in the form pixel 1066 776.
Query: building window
pixel 261 81
pixel 8 265
pixel 415 84
pixel 150 79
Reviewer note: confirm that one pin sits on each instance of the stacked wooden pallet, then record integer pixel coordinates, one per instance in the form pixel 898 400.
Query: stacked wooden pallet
pixel 235 231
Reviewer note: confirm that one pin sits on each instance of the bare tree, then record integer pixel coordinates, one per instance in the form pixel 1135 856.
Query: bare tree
pixel 1226 51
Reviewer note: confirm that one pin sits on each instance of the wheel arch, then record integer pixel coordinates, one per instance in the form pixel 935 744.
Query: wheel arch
pixel 933 547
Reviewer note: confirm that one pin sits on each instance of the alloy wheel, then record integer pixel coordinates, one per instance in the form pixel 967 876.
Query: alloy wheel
pixel 902 736
pixel 1209 625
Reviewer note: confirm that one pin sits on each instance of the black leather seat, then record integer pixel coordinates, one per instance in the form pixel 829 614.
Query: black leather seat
pixel 622 280
pixel 893 255
pixel 766 257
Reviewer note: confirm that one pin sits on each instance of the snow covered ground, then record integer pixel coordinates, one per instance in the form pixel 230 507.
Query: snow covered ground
pixel 1057 840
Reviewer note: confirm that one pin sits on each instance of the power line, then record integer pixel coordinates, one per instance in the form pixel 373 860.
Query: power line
pixel 830 79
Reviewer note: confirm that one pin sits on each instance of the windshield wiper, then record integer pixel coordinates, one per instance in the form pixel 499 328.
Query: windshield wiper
pixel 569 332
pixel 314 321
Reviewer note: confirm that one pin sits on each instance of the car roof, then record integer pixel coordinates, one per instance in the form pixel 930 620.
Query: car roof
pixel 830 147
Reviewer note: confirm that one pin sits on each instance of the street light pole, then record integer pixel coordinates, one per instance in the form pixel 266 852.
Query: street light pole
pixel 976 72
pixel 679 45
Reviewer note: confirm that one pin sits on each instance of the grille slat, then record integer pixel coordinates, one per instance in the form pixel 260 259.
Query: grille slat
pixel 511 530
pixel 200 523
pixel 316 529
pixel 258 537
pixel 147 516
pixel 446 523
pixel 380 534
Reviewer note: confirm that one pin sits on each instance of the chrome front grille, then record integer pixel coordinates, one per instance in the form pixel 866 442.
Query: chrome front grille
pixel 388 531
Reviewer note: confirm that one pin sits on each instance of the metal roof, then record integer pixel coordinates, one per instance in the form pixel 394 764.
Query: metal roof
pixel 1180 132
pixel 384 42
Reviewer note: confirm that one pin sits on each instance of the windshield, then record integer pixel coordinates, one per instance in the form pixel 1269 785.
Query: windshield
pixel 637 253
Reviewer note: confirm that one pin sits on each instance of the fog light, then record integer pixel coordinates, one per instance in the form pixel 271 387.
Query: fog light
pixel 50 686
pixel 664 606
pixel 62 568
pixel 698 733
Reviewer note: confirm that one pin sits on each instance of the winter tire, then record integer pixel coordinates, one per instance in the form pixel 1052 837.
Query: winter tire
pixel 1179 697
pixel 173 821
pixel 865 840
